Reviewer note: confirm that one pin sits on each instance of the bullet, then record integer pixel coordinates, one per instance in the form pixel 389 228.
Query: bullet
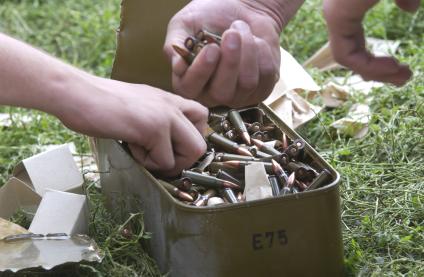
pixel 222 126
pixel 263 147
pixel 208 36
pixel 258 135
pixel 190 42
pixel 215 117
pixel 323 177
pixel 287 189
pixel 280 173
pixel 223 175
pixel 301 185
pixel 253 127
pixel 176 192
pixel 208 181
pixel 240 197
pixel 229 195
pixel 263 156
pixel 240 165
pixel 303 171
pixel 222 157
pixel 231 135
pixel 268 128
pixel 228 145
pixel 214 201
pixel 238 124
pixel 274 185
pixel 198 47
pixel 183 184
pixel 186 55
pixel 203 199
pixel 284 141
pixel 210 156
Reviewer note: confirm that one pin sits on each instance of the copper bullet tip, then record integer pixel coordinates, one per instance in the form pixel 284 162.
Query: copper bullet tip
pixel 246 138
pixel 185 196
pixel 181 51
pixel 276 167
pixel 291 180
pixel 244 152
pixel 234 164
pixel 230 185
pixel 257 142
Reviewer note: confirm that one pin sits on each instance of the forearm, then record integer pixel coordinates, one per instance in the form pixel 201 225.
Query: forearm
pixel 30 78
pixel 280 10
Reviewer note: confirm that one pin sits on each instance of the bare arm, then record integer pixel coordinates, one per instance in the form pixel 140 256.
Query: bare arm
pixel 163 130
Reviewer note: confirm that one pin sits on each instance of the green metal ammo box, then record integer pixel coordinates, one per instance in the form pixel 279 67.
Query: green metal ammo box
pixel 295 235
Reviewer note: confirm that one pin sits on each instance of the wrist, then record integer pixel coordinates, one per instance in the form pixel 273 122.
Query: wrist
pixel 281 11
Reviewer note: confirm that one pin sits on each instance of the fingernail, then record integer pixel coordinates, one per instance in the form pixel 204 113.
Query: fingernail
pixel 241 26
pixel 211 54
pixel 233 41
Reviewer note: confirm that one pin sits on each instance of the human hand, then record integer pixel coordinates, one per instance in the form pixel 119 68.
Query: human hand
pixel 344 22
pixel 244 69
pixel 163 131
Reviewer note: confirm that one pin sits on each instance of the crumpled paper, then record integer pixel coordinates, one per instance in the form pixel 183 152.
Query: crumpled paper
pixel 334 95
pixel 257 185
pixel 285 100
pixel 355 124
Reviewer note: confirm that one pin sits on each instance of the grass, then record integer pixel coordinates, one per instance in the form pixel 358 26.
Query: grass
pixel 382 174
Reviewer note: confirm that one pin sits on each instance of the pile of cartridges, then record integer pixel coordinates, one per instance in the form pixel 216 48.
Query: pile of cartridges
pixel 236 140
pixel 194 45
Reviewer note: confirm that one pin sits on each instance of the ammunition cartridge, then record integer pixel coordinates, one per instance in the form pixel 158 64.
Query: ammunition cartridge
pixel 240 197
pixel 203 199
pixel 280 173
pixel 186 55
pixel 208 181
pixel 284 141
pixel 176 192
pixel 222 157
pixel 183 184
pixel 323 177
pixel 190 42
pixel 210 156
pixel 198 47
pixel 222 126
pixel 263 156
pixel 208 36
pixel 239 126
pixel 303 171
pixel 231 135
pixel 223 175
pixel 227 144
pixel 253 127
pixel 263 147
pixel 268 128
pixel 215 117
pixel 229 195
pixel 258 135
pixel 213 201
pixel 274 185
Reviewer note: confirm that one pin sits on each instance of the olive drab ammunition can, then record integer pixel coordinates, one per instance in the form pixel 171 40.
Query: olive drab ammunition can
pixel 253 238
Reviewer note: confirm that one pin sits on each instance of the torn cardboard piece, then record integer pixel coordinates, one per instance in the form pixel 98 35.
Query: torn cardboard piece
pixel 53 169
pixel 15 195
pixel 355 124
pixel 257 185
pixel 284 99
pixel 8 228
pixel 61 212
pixel 355 83
pixel 324 60
pixel 47 252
